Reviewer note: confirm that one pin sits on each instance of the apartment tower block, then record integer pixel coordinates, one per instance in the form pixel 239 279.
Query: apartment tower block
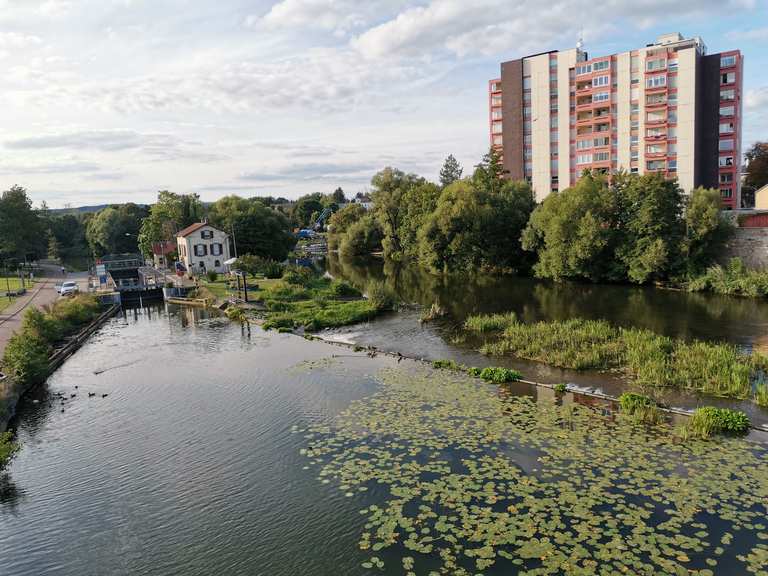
pixel 668 107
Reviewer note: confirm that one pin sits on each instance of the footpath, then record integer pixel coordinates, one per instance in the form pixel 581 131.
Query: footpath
pixel 43 292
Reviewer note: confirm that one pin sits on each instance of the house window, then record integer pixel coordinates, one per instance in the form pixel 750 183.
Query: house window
pixel 658 64
pixel 217 264
pixel 202 265
pixel 206 234
pixel 201 250
pixel 656 81
pixel 725 144
pixel 728 78
pixel 602 65
pixel 599 81
pixel 601 96
pixel 216 249
pixel 727 61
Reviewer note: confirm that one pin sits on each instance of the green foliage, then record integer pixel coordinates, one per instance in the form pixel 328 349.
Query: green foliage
pixel 450 172
pixel 706 230
pixel 757 160
pixel 306 207
pixel 114 230
pixel 171 213
pixel 26 358
pixel 735 278
pixel 647 358
pixel 560 388
pixel 341 289
pixel 341 221
pixel 640 408
pixel 761 394
pixel 474 371
pixel 298 275
pixel 257 230
pixel 709 421
pixel 446 365
pixel 22 230
pixel 212 275
pixel 237 314
pixel 7 448
pixel 362 238
pixel 631 401
pixel 490 322
pixel 500 375
pixel 390 188
pixel 380 296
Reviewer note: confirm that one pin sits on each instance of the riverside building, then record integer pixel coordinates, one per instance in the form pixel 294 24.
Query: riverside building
pixel 668 107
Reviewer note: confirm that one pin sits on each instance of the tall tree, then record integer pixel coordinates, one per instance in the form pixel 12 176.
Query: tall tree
pixel 338 196
pixel 389 187
pixel 489 174
pixel 22 230
pixel 450 172
pixel 168 215
pixel 306 207
pixel 757 166
pixel 115 229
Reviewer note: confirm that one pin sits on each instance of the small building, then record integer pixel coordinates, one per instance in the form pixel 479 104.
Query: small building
pixel 364 200
pixel 162 252
pixel 761 198
pixel 203 247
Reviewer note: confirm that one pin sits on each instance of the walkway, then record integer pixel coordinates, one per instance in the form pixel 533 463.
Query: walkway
pixel 43 292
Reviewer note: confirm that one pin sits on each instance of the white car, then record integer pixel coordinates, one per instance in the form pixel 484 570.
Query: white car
pixel 68 288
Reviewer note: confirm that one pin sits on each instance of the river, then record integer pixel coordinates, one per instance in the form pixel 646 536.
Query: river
pixel 178 454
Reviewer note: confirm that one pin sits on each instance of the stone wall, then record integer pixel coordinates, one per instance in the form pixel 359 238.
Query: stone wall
pixel 749 244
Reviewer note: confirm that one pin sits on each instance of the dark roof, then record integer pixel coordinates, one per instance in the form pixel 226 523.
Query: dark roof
pixel 163 248
pixel 192 227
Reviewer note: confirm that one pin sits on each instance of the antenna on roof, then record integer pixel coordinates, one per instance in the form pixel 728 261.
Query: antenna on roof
pixel 580 41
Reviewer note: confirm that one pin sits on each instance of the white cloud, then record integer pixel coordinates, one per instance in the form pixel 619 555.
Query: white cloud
pixel 55 8
pixel 339 16
pixel 749 34
pixel 756 99
pixel 17 40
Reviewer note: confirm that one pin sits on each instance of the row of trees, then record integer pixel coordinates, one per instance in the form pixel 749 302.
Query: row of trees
pixel 629 228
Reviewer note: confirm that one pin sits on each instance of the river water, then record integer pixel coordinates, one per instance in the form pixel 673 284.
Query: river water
pixel 176 455
pixel 710 317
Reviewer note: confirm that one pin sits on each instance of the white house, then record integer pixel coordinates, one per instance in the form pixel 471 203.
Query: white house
pixel 203 247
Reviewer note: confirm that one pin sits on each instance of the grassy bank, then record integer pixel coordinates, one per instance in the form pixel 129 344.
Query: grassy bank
pixel 25 359
pixel 733 279
pixel 643 356
pixel 303 299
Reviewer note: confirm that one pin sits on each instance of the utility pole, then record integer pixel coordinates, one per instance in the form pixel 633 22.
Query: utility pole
pixel 234 239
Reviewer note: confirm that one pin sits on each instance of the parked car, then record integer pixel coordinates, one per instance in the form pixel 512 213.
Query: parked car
pixel 68 288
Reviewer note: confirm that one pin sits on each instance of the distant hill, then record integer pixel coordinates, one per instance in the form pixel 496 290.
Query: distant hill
pixel 82 209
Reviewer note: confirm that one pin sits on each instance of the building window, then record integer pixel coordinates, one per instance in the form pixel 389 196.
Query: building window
pixel 726 128
pixel 726 161
pixel 653 165
pixel 727 61
pixel 602 65
pixel 633 139
pixel 633 170
pixel 671 133
pixel 599 81
pixel 633 154
pixel 527 112
pixel 495 86
pixel 526 96
pixel 634 108
pixel 652 99
pixel 553 122
pixel 658 116
pixel 672 117
pixel 672 166
pixel 584 159
pixel 497 140
pixel 201 265
pixel 658 64
pixel 206 234
pixel 496 127
pixel 496 100
pixel 725 144
pixel 672 82
pixel 672 66
pixel 726 177
pixel 728 78
pixel 201 250
pixel 584 69
pixel 654 149
pixel 656 81
pixel 604 141
pixel 727 110
pixel 635 79
pixel 527 83
pixel 553 62
pixel 654 132
pixel 601 156
pixel 527 139
pixel 672 148
pixel 727 94
pixel 582 144
pixel 726 192
pixel 634 124
pixel 601 97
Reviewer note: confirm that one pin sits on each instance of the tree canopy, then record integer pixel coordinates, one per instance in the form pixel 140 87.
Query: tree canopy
pixel 450 172
pixel 168 215
pixel 22 230
pixel 115 229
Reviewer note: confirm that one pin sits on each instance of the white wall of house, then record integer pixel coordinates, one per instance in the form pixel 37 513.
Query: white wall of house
pixel 207 248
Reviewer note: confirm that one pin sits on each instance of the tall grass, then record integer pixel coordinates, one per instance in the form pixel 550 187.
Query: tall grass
pixel 709 421
pixel 735 278
pixel 484 323
pixel 647 358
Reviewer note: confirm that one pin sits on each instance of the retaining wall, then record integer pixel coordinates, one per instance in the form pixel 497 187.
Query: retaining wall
pixel 749 244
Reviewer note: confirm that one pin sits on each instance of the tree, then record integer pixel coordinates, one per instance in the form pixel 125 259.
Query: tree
pixel 489 174
pixel 258 230
pixel 22 230
pixel 340 222
pixel 305 207
pixel 450 172
pixel 363 238
pixel 389 187
pixel 67 233
pixel 114 230
pixel 757 166
pixel 338 196
pixel 168 215
pixel 706 231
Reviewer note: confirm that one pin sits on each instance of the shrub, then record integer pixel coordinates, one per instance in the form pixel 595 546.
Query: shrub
pixel 761 394
pixel 272 269
pixel 237 314
pixel 298 275
pixel 629 402
pixel 341 289
pixel 7 448
pixel 500 375
pixel 490 322
pixel 446 365
pixel 380 296
pixel 26 357
pixel 212 275
pixel 560 388
pixel 709 421
pixel 474 371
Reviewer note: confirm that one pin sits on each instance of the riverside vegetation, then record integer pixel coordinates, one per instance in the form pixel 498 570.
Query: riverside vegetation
pixel 474 479
pixel 25 359
pixel 646 358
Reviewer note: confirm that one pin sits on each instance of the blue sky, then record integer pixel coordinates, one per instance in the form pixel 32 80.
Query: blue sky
pixel 111 100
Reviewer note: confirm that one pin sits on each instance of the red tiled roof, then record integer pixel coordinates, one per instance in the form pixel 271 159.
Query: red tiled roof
pixel 163 248
pixel 191 228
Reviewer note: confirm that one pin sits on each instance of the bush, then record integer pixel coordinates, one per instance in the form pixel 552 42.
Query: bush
pixel 709 421
pixel 500 375
pixel 474 371
pixel 490 322
pixel 446 365
pixel 380 296
pixel 560 388
pixel 629 402
pixel 298 275
pixel 212 275
pixel 341 289
pixel 26 357
pixel 7 448
pixel 272 269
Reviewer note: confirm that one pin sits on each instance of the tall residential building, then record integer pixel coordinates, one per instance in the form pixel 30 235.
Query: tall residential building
pixel 668 107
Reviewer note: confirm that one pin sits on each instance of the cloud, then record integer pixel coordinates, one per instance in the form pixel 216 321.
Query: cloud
pixel 55 8
pixel 492 26
pixel 339 16
pixel 312 171
pixel 73 167
pixel 756 99
pixel 17 40
pixel 749 34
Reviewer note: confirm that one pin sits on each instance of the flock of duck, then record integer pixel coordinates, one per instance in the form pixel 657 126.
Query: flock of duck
pixel 63 397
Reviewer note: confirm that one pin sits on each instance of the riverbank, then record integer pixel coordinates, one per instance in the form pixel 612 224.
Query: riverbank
pixel 43 343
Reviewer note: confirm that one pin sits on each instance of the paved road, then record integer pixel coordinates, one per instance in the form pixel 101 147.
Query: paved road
pixel 42 293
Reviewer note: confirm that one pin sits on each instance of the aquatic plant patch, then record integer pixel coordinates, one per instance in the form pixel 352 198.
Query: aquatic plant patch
pixel 470 480
pixel 647 358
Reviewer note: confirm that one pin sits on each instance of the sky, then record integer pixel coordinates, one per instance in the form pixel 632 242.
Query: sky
pixel 107 101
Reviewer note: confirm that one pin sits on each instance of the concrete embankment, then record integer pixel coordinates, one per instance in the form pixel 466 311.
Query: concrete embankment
pixel 13 393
